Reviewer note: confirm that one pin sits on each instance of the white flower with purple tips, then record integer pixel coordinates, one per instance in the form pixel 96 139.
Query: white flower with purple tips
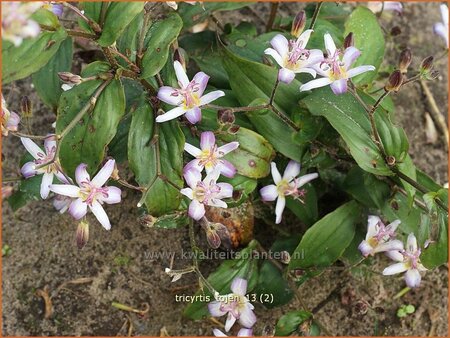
pixel 293 57
pixel 9 119
pixel 188 98
pixel 441 28
pixel 409 261
pixel 90 193
pixel 241 333
pixel 43 163
pixel 236 305
pixel 336 68
pixel 16 22
pixel 288 185
pixel 205 192
pixel 380 238
pixel 210 156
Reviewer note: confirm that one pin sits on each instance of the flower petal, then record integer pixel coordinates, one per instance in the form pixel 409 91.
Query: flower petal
pixel 279 208
pixel 47 180
pixel 359 70
pixel 211 96
pixel 286 75
pixel 304 37
pixel 218 333
pixel 280 45
pixel 315 57
pixel 215 309
pixel 78 208
pixel 166 94
pixel 372 226
pixel 183 80
pixel 227 169
pixel 100 214
pixel 444 13
pixel 339 86
pixel 269 193
pixel 114 195
pixel 239 286
pixel 192 177
pixel 292 170
pixel 277 57
pixel 245 332
pixel 207 140
pixel 215 202
pixel 412 278
pixel 365 248
pixel 202 80
pixel 104 174
pixel 226 190
pixel 188 192
pixel 393 226
pixel 394 245
pixel 317 83
pixel 247 317
pixel 196 210
pixel 32 148
pixel 81 174
pixel 307 70
pixel 395 268
pixel 66 190
pixel 395 255
pixel 411 243
pixel 441 30
pixel 170 115
pixel 226 148
pixel 194 115
pixel 302 180
pixel 329 44
pixel 275 173
pixel 194 151
pixel 194 164
pixel 350 55
pixel 50 144
pixel 28 170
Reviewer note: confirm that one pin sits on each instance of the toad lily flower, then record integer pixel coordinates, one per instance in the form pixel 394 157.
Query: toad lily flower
pixel 379 237
pixel 409 261
pixel 206 192
pixel 43 163
pixel 335 69
pixel 241 333
pixel 9 119
pixel 293 57
pixel 288 185
pixel 16 22
pixel 188 98
pixel 90 193
pixel 210 156
pixel 441 28
pixel 235 304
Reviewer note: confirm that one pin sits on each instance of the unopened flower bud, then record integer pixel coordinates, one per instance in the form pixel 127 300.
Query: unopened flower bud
pixel 26 107
pixel 82 235
pixel 148 220
pixel 180 56
pixel 427 64
pixel 225 116
pixel 395 81
pixel 215 232
pixel 298 24
pixel 349 40
pixel 70 78
pixel 234 129
pixel 405 60
pixel 115 174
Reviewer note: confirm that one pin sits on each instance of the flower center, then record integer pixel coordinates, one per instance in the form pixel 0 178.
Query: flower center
pixel 412 258
pixel 89 193
pixel 209 157
pixel 204 193
pixel 189 95
pixel 296 54
pixel 335 66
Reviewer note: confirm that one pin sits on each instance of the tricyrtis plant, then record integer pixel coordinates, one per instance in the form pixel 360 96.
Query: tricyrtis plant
pixel 198 119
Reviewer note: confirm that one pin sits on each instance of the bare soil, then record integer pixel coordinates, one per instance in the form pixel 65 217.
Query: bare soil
pixel 117 265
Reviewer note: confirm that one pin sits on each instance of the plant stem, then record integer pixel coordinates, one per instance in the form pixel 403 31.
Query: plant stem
pixel 273 14
pixel 33 137
pixel 128 185
pixel 286 119
pixel 142 33
pixel 95 26
pixel 11 179
pixel 272 95
pixel 315 15
pixel 235 109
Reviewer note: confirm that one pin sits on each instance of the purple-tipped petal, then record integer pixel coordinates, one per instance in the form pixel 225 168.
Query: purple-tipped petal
pixel 277 57
pixel 227 148
pixel 329 44
pixel 202 80
pixel 180 73
pixel 50 144
pixel 65 190
pixel 57 9
pixel 350 55
pixel 372 226
pixel 279 208
pixel 194 151
pixel 359 70
pixel 245 332
pixel 247 317
pixel 32 148
pixel 394 245
pixel 192 177
pixel 196 210
pixel 269 193
pixel 395 269
pixel 81 174
pixel 211 96
pixel 215 309
pixel 227 169
pixel 229 322
pixel 286 75
pixel 365 248
pixel 226 190
pixel 114 195
pixel 393 226
pixel 317 83
pixel 395 255
pixel 194 115
pixel 61 203
pixel 339 86
pixel 207 140
pixel 292 171
pixel 194 164
pixel 394 6
pixel 214 202
pixel 104 174
pixel 28 170
pixel 275 173
pixel 411 243
pixel 100 214
pixel 441 30
pixel 315 57
pixel 78 208
pixel 280 45
pixel 169 95
pixel 239 286
pixel 170 115
pixel 47 180
pixel 306 178
pixel 13 121
pixel 412 278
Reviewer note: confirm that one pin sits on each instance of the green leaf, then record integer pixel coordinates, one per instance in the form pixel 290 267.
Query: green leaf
pixel 46 80
pixel 160 36
pixel 46 18
pixel 290 322
pixel 128 41
pixel 369 40
pixel 118 17
pixel 276 131
pixel 437 253
pixel 349 118
pixel 172 221
pixel 30 56
pixel 243 186
pixel 87 141
pixel 28 190
pixel 326 240
pixel 144 151
pixel 243 266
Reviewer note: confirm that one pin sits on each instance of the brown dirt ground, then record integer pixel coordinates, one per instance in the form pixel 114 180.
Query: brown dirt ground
pixel 44 254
